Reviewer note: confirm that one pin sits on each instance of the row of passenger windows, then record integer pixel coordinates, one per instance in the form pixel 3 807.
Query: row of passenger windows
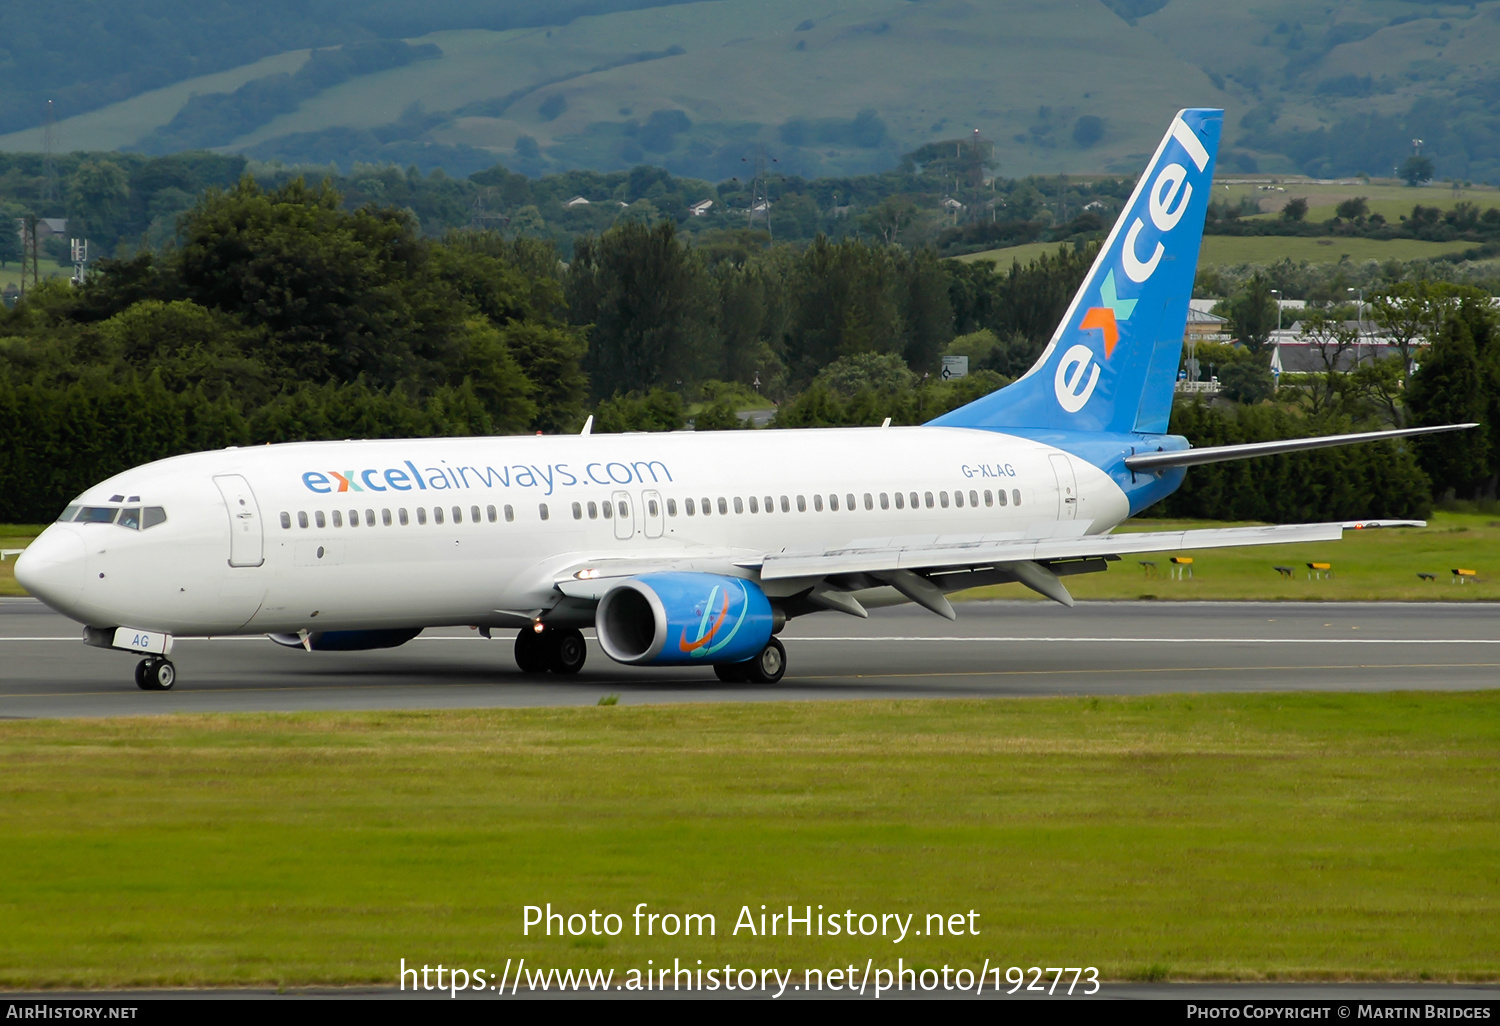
pixel 401 516
pixel 848 501
pixel 690 507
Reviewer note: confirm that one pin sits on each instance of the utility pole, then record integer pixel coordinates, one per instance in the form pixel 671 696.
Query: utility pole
pixel 29 252
pixel 49 158
pixel 760 191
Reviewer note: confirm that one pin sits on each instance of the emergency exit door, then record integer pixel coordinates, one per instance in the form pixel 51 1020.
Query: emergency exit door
pixel 1067 487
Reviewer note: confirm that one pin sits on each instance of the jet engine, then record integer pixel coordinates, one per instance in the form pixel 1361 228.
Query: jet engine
pixel 681 619
pixel 348 641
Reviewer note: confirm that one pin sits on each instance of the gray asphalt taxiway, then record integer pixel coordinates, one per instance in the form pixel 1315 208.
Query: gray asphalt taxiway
pixel 995 649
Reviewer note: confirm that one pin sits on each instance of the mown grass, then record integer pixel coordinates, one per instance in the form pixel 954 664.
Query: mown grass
pixel 1244 836
pixel 14 536
pixel 1264 249
pixel 1368 566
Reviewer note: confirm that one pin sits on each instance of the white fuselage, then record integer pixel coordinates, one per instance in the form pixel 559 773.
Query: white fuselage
pixel 287 513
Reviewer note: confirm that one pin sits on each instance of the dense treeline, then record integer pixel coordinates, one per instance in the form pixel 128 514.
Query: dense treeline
pixel 282 315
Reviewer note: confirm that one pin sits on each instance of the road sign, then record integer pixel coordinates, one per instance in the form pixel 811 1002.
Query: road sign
pixel 955 367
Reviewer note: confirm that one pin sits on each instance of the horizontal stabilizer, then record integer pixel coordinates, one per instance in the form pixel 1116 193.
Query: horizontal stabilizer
pixel 1220 453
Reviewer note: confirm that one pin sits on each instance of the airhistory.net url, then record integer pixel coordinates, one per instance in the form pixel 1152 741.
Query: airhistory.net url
pixel 867 980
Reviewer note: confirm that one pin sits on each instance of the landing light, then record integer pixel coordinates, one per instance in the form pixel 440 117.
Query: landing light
pixel 538 626
pixel 587 575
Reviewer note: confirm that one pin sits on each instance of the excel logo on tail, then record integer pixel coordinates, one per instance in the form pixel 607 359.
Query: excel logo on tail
pixel 711 634
pixel 1077 373
pixel 1153 216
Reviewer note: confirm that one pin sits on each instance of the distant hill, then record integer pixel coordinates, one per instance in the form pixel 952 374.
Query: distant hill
pixel 820 87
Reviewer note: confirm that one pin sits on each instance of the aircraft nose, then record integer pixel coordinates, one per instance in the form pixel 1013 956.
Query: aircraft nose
pixel 52 567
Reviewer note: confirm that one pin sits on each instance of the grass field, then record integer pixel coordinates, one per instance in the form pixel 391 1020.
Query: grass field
pixel 1368 566
pixel 1254 836
pixel 1374 565
pixel 1264 249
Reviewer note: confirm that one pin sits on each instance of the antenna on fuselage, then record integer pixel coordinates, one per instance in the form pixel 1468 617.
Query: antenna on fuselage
pixel 588 426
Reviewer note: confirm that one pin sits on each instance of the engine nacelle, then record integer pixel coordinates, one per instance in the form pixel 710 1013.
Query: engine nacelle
pixel 678 619
pixel 348 641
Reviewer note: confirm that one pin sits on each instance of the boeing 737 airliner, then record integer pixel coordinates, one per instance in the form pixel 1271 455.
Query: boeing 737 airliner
pixel 685 549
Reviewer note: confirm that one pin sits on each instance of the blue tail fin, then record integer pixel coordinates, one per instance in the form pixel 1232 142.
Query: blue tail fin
pixel 1113 360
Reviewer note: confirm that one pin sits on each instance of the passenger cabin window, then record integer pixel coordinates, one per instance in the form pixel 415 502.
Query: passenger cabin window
pixel 786 506
pixel 958 499
pixel 671 507
pixel 318 518
pixel 928 497
pixel 301 518
pixel 973 497
pixel 489 512
pixel 818 503
pixel 593 511
pixel 707 507
pixel 437 514
pixel 849 502
pixel 458 514
pixel 723 507
pixel 286 521
pixel 754 504
pixel 989 497
pixel 577 511
pixel 739 505
pixel 869 501
pixel 510 514
pixel 1001 496
pixel 385 517
pixel 421 514
pixel 801 504
pixel 652 508
pixel 402 517
pixel 885 500
pixel 900 501
pixel 1015 496
pixel 687 505
pixel 473 514
pixel 338 519
pixel 541 510
pixel 914 499
pixel 833 503
pixel 354 518
pixel 609 509
pixel 624 509
pixel 369 518
pixel 770 506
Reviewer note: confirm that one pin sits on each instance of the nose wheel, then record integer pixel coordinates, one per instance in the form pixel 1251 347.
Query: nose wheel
pixel 155 674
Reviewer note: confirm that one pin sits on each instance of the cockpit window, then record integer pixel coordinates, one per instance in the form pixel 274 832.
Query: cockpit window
pixel 151 516
pixel 97 515
pixel 68 514
pixel 130 518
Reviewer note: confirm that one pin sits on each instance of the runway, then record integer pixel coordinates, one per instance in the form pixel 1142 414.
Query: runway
pixel 995 649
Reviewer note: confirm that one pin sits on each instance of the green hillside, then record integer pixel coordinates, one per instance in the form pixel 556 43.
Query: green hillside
pixel 695 87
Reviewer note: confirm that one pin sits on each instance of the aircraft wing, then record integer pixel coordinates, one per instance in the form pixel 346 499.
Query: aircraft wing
pixel 925 568
pixel 946 552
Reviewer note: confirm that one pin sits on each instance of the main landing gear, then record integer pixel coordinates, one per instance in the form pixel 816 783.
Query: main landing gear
pixel 155 674
pixel 766 668
pixel 560 650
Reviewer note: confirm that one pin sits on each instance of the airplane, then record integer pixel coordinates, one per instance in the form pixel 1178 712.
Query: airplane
pixel 684 548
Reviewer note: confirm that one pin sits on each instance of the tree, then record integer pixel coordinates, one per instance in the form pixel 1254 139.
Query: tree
pixel 1448 390
pixel 97 193
pixel 1246 381
pixel 1252 313
pixel 1352 209
pixel 10 238
pixel 1409 313
pixel 1416 170
pixel 1295 210
pixel 650 303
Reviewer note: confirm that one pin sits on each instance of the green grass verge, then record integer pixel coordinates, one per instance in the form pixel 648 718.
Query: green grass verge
pixel 1234 836
pixel 1368 566
pixel 1264 249
pixel 14 536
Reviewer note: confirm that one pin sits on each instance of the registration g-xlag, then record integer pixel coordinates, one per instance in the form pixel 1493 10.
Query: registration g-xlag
pixel 683 549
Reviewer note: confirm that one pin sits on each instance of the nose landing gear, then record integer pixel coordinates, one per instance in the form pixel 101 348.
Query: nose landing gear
pixel 155 674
